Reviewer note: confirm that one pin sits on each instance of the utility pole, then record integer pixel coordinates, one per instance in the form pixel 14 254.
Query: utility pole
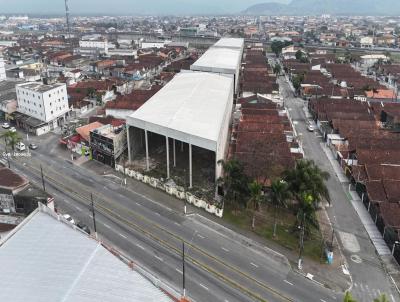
pixel 93 214
pixel 183 269
pixel 300 262
pixel 43 183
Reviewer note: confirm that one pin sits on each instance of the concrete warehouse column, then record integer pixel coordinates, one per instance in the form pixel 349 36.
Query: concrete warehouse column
pixel 147 150
pixel 129 144
pixel 167 148
pixel 190 167
pixel 174 153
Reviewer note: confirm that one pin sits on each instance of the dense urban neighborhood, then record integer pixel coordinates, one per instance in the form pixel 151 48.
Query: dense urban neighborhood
pixel 239 157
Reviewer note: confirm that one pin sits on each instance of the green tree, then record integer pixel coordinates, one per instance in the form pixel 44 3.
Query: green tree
pixel 11 138
pixel 348 298
pixel 279 196
pixel 235 183
pixel 277 69
pixel 299 55
pixel 307 184
pixel 297 80
pixel 91 92
pixel 255 190
pixel 382 298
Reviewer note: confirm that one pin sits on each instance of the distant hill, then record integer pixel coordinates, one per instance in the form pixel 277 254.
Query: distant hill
pixel 335 7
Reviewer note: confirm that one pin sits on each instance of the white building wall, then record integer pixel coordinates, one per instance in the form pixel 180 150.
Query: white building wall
pixel 119 113
pixel 2 70
pixel 101 45
pixel 45 106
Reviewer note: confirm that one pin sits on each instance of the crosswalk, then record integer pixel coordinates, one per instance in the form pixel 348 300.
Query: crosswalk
pixel 364 293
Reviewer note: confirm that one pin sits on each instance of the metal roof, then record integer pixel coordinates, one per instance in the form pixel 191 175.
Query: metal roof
pixel 237 43
pixel 219 60
pixel 192 107
pixel 44 259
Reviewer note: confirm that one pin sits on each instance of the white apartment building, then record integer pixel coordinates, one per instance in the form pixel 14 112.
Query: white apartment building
pixel 101 44
pixel 41 108
pixel 2 70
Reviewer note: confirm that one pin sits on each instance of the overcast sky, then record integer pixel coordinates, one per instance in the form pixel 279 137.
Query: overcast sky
pixel 127 6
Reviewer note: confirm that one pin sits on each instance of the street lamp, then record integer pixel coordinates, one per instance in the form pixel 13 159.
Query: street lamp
pixel 394 246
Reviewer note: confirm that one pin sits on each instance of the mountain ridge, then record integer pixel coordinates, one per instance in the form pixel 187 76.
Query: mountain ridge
pixel 334 7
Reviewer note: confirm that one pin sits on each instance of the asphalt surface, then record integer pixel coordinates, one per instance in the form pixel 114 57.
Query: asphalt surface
pixel 221 266
pixel 369 278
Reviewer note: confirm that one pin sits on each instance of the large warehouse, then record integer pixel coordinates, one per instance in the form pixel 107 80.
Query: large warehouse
pixel 223 57
pixel 187 119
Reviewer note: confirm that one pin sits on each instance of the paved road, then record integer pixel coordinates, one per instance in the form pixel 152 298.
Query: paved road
pixel 369 277
pixel 223 267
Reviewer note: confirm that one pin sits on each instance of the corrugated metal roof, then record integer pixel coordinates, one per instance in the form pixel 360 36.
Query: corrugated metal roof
pixel 47 260
pixel 192 108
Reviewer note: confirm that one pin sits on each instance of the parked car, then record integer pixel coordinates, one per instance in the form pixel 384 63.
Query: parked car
pixel 20 146
pixel 33 146
pixel 83 227
pixel 310 127
pixel 12 129
pixel 69 218
pixel 6 126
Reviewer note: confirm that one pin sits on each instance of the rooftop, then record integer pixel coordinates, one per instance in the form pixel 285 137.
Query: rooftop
pixel 218 59
pixel 235 43
pixel 39 87
pixel 191 107
pixel 45 259
pixel 11 180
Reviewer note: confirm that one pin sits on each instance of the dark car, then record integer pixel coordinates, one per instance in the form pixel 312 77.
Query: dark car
pixel 83 227
pixel 33 146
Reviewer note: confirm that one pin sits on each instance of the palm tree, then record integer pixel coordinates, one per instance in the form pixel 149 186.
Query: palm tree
pixel 235 183
pixel 348 298
pixel 307 184
pixel 255 190
pixel 382 298
pixel 307 178
pixel 11 138
pixel 279 195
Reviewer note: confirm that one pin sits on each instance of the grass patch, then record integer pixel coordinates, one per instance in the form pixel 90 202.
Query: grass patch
pixel 287 235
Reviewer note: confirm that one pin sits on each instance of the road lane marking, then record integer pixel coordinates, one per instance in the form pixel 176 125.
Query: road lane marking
pixel 255 265
pixel 179 271
pixel 158 214
pixel 290 283
pixel 176 223
pixel 224 249
pixel 203 286
pixel 202 237
pixel 106 225
pixel 78 208
pixel 159 258
pixel 141 247
pixel 322 300
pixel 122 235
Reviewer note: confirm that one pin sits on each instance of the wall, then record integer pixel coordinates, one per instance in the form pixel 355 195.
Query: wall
pixel 2 70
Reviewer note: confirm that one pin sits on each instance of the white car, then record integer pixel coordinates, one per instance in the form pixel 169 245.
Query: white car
pixel 12 129
pixel 20 146
pixel 6 125
pixel 310 127
pixel 68 218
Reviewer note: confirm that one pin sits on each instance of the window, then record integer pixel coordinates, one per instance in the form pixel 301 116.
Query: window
pixel 40 106
pixel 49 95
pixel 51 112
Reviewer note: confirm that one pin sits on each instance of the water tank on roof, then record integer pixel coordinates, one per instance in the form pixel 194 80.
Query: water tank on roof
pixel 343 84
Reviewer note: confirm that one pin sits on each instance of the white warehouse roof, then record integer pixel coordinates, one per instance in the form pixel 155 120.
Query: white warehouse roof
pixel 193 107
pixel 45 260
pixel 219 60
pixel 237 43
